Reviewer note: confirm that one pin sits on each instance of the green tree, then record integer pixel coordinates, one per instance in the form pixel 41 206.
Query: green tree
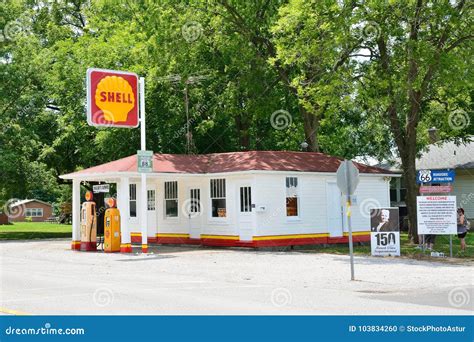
pixel 420 54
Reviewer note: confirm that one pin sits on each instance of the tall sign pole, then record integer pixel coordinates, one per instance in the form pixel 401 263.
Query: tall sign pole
pixel 143 192
pixel 347 177
pixel 113 100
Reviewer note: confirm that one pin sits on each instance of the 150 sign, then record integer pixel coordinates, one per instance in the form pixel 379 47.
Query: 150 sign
pixel 385 239
pixel 385 232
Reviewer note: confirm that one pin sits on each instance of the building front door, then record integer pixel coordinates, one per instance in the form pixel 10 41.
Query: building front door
pixel 152 227
pixel 334 210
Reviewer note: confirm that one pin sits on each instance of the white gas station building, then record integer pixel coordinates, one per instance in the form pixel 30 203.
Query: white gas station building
pixel 249 199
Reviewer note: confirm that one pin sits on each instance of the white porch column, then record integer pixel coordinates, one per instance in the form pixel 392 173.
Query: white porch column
pixel 76 214
pixel 123 205
pixel 143 213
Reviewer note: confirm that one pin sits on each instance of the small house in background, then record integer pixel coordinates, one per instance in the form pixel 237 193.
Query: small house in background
pixel 38 210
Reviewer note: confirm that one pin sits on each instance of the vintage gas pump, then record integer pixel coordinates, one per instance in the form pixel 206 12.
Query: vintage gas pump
pixel 111 227
pixel 88 224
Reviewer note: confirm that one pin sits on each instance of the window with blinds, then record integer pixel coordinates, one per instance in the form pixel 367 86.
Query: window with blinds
pixel 171 199
pixel 218 198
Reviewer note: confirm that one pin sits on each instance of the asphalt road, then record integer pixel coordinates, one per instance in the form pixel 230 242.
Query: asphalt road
pixel 46 277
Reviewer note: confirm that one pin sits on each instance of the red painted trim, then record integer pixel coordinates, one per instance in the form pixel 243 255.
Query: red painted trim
pixel 76 245
pixel 88 246
pixel 125 249
pixel 219 242
pixel 138 239
pixel 177 241
pixel 290 242
pixel 251 244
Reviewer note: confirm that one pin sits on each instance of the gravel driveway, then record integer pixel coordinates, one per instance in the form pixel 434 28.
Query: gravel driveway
pixel 46 277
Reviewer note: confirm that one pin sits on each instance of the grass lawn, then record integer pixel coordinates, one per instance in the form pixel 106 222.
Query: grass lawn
pixel 406 248
pixel 34 230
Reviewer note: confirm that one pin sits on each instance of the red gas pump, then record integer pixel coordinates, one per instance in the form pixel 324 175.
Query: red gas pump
pixel 88 224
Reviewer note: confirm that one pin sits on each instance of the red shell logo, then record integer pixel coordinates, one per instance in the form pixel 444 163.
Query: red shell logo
pixel 112 98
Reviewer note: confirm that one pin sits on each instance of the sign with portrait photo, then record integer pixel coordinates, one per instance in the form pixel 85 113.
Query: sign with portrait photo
pixel 384 232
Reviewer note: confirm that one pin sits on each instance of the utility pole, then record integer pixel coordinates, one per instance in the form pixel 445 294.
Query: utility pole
pixel 177 79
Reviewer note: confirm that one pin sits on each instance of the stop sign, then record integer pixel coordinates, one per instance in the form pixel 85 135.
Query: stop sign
pixel 347 176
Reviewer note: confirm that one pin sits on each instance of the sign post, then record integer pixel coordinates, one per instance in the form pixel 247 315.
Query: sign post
pixel 347 176
pixel 143 192
pixel 117 99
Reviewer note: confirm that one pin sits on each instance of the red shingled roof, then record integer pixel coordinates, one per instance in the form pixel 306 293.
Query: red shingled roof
pixel 231 162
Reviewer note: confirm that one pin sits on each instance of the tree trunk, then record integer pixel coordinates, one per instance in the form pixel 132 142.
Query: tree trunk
pixel 409 173
pixel 311 128
pixel 242 125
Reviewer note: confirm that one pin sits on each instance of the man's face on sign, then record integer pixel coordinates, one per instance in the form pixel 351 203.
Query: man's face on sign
pixel 385 215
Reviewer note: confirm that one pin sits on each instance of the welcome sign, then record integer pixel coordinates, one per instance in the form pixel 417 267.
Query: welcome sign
pixel 112 98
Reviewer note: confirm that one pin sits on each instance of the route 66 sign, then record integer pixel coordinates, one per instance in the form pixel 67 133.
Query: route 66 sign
pixel 424 176
pixel 435 176
pixel 145 161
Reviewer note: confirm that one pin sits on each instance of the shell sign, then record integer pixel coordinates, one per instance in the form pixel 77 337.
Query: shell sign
pixel 112 98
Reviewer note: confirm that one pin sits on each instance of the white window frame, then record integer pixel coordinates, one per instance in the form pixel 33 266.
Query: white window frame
pixel 170 195
pixel 221 190
pixel 132 197
pixel 34 212
pixel 297 195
